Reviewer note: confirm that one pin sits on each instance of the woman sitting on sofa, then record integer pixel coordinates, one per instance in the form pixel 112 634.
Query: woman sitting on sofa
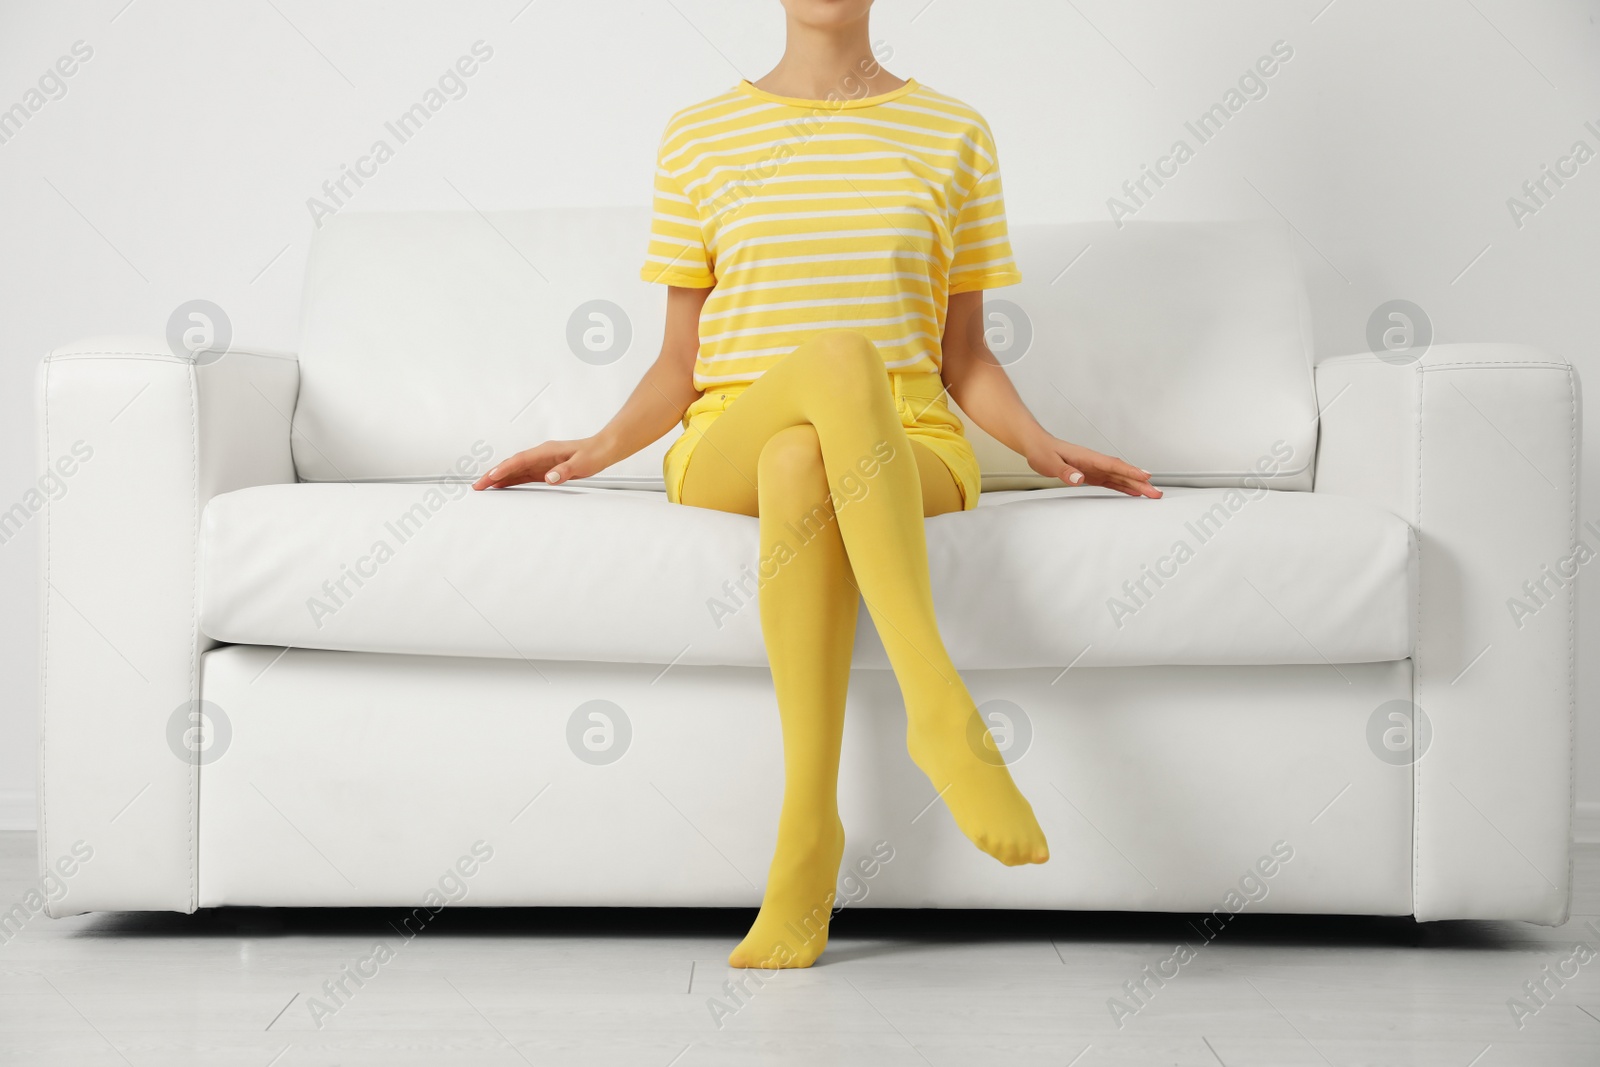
pixel 827 232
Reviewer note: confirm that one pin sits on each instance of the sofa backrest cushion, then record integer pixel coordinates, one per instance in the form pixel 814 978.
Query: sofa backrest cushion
pixel 433 339
pixel 436 342
pixel 1184 347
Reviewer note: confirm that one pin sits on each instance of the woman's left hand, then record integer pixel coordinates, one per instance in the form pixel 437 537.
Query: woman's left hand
pixel 1076 465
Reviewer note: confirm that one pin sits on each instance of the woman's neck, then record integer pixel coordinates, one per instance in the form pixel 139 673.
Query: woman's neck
pixel 822 63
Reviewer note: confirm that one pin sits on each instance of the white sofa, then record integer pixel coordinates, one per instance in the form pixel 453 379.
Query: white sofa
pixel 395 670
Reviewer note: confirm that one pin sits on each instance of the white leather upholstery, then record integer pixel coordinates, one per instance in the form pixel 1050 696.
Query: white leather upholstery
pixel 357 779
pixel 1184 346
pixel 1477 447
pixel 121 641
pixel 425 333
pixel 1027 580
pixel 1229 711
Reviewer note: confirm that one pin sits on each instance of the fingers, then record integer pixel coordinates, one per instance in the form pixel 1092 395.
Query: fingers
pixel 501 479
pixel 1113 473
pixel 1133 487
pixel 525 466
pixel 1111 476
pixel 1111 467
pixel 554 462
pixel 501 475
pixel 1130 472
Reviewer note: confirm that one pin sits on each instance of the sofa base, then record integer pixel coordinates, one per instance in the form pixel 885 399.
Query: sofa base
pixel 365 779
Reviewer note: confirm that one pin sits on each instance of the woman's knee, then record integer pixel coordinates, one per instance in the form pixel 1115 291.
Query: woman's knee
pixel 841 356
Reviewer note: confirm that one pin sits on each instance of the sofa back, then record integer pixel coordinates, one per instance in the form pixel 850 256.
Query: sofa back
pixel 432 341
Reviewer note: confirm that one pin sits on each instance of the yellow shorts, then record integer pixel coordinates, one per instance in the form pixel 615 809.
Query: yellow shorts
pixel 918 397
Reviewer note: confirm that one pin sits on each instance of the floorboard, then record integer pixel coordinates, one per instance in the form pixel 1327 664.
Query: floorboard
pixel 241 986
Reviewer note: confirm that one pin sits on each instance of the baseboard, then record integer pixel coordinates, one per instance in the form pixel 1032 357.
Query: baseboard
pixel 19 809
pixel 1586 823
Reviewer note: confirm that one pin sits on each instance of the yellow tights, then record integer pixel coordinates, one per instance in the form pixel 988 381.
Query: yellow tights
pixel 826 412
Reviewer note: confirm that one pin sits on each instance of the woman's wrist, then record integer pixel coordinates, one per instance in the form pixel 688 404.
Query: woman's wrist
pixel 1035 440
pixel 605 445
pixel 1004 416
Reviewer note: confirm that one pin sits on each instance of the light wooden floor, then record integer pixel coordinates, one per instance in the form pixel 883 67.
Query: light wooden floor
pixel 957 988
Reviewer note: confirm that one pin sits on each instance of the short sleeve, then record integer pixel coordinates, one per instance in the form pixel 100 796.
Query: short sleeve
pixel 677 254
pixel 982 258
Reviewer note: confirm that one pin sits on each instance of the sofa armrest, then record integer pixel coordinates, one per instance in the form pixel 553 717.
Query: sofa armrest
pixel 1477 446
pixel 134 441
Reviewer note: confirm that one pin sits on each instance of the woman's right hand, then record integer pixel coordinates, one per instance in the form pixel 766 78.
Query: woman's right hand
pixel 554 462
pixel 654 407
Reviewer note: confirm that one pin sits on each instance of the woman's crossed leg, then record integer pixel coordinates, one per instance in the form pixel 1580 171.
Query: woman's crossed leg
pixel 816 450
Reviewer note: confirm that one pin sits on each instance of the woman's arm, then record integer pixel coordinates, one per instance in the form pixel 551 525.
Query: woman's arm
pixel 654 407
pixel 981 386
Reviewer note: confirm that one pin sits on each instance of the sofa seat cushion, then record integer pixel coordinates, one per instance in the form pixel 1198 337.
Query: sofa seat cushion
pixel 1035 578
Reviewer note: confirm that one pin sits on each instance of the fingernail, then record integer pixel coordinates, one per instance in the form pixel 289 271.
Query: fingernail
pixel 1142 470
pixel 552 476
pixel 1077 476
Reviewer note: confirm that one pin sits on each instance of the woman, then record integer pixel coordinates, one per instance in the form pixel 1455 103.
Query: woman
pixel 827 232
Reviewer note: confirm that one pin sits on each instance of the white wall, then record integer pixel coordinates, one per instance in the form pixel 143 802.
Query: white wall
pixel 179 161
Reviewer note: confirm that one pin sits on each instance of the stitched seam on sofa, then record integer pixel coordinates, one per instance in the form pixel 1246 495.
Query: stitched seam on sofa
pixel 1551 364
pixel 594 481
pixel 1316 427
pixel 1367 361
pixel 1572 626
pixel 1367 358
pixel 309 307
pixel 155 356
pixel 194 610
pixel 44 651
pixel 1416 666
pixel 1307 348
pixel 1280 476
pixel 166 357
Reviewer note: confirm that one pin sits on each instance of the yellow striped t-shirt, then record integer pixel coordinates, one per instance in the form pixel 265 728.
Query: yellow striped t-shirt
pixel 804 215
